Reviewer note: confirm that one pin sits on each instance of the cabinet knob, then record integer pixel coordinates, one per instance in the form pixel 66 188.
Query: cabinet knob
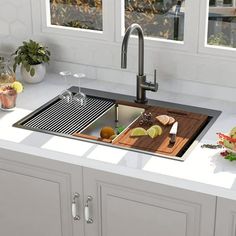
pixel 75 206
pixel 87 209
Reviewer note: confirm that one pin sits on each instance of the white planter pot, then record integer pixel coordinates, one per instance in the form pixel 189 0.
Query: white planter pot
pixel 40 71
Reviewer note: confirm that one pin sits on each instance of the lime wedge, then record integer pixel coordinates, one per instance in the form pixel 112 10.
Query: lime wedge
pixel 158 129
pixel 136 132
pixel 152 132
pixel 17 86
pixel 233 133
pixel 228 144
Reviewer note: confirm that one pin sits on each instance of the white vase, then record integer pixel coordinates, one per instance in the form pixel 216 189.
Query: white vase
pixel 40 71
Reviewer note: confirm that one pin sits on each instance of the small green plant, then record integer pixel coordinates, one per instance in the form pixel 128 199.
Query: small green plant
pixel 219 39
pixel 29 54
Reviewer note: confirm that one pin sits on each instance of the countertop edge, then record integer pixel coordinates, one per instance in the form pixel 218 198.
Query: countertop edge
pixel 25 154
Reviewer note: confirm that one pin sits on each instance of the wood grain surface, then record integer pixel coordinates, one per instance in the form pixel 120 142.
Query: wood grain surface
pixel 189 125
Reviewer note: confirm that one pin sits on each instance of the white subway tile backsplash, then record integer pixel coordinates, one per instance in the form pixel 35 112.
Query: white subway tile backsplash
pixel 15 24
pixel 19 30
pixel 8 11
pixel 89 71
pixel 4 26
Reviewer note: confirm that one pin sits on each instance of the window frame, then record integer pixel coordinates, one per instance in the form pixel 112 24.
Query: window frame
pixel 190 38
pixel 204 47
pixel 195 29
pixel 107 16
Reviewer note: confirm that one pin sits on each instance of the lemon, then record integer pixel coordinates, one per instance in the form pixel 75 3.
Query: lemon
pixel 152 132
pixel 158 129
pixel 138 132
pixel 17 86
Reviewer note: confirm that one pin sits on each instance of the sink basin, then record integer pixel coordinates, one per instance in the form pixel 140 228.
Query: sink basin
pixel 108 109
pixel 117 116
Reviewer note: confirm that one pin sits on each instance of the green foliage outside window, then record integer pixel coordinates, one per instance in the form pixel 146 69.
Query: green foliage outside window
pixel 218 39
pixel 157 17
pixel 84 14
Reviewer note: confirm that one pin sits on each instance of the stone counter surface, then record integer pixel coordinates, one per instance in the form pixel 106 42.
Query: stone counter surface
pixel 204 170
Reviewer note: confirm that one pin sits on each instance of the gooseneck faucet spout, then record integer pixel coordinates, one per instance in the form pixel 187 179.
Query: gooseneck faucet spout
pixel 124 49
pixel 142 84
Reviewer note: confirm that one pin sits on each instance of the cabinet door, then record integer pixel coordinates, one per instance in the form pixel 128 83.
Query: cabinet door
pixel 37 202
pixel 225 217
pixel 130 207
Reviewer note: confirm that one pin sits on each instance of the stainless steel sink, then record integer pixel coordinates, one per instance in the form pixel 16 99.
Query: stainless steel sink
pixel 117 116
pixel 59 118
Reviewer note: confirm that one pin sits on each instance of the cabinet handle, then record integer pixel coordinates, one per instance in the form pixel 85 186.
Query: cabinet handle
pixel 74 206
pixel 88 219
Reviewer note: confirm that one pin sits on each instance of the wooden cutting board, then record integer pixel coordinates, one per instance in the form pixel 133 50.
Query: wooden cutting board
pixel 189 125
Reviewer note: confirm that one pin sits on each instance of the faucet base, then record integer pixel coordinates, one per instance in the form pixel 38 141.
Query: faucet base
pixel 141 92
pixel 141 101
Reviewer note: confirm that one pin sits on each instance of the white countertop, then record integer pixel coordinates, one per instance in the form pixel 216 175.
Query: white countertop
pixel 204 170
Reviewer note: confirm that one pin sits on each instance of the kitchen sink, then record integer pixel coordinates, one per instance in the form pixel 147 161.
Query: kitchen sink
pixel 120 112
pixel 118 117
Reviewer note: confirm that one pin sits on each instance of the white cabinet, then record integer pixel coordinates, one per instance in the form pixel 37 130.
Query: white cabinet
pixel 36 201
pixel 225 217
pixel 130 207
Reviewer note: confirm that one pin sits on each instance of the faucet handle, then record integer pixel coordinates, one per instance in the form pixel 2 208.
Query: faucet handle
pixel 155 84
pixel 155 76
pixel 149 85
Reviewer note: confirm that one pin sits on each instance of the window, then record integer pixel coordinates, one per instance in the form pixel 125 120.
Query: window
pixel 158 18
pixel 92 19
pixel 83 14
pixel 165 22
pixel 222 23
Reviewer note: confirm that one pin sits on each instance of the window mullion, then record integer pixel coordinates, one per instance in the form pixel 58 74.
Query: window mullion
pixel 192 25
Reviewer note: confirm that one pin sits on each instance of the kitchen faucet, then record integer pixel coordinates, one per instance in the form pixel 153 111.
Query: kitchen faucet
pixel 142 84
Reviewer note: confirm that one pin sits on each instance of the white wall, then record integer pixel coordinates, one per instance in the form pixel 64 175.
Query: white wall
pixel 17 23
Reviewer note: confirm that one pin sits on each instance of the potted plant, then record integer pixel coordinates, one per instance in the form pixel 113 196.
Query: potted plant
pixel 32 57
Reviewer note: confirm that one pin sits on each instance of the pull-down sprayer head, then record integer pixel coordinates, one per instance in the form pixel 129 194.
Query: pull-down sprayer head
pixel 124 48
